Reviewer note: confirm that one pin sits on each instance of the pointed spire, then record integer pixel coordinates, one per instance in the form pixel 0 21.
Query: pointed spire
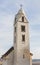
pixel 21 9
pixel 20 12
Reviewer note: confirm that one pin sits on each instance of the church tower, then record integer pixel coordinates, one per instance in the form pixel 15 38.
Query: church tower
pixel 21 39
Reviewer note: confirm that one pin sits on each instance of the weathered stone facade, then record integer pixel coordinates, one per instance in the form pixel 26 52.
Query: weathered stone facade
pixel 20 55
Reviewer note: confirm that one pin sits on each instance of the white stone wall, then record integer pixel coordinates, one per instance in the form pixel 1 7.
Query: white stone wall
pixel 21 44
pixel 30 60
pixel 21 47
pixel 8 60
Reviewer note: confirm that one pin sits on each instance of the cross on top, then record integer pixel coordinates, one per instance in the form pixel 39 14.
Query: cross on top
pixel 21 5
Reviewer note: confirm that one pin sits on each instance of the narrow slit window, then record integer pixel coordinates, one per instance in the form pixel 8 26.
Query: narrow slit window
pixel 15 29
pixel 22 19
pixel 15 19
pixel 23 38
pixel 23 56
pixel 15 39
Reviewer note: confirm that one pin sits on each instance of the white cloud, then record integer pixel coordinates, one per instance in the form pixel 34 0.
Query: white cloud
pixel 6 33
pixel 35 4
pixel 36 52
pixel 34 33
pixel 35 20
pixel 1 52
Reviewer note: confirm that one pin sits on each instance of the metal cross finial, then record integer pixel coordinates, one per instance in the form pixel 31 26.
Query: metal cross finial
pixel 21 5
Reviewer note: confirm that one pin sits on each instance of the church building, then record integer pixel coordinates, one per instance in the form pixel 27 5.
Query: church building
pixel 19 54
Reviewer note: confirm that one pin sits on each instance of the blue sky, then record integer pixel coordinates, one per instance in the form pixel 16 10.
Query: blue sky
pixel 8 9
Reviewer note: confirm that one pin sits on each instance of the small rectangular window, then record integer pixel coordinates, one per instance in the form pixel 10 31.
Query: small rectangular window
pixel 23 56
pixel 15 19
pixel 23 28
pixel 23 38
pixel 22 19
pixel 15 29
pixel 14 39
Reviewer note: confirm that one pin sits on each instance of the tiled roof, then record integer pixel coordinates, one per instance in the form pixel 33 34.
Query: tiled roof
pixel 9 51
pixel 12 48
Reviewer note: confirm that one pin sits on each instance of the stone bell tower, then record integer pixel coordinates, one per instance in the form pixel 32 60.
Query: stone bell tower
pixel 21 39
